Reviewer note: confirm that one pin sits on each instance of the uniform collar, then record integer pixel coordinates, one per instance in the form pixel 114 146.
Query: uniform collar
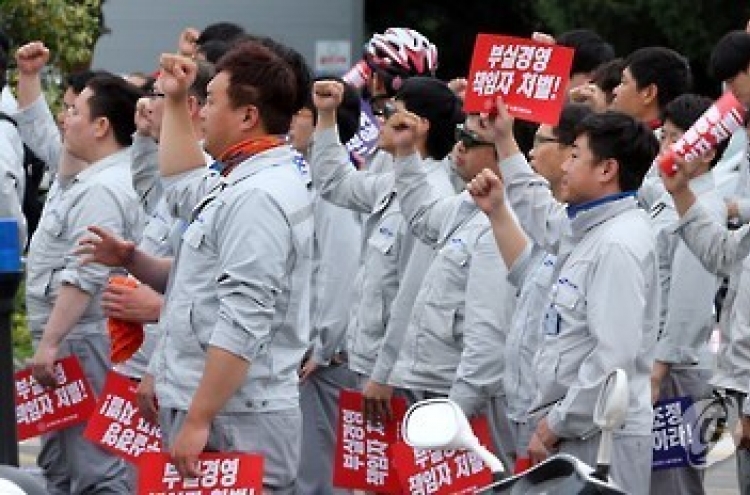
pixel 112 160
pixel 593 213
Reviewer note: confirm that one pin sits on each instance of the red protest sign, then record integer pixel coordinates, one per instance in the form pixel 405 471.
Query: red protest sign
pixel 362 459
pixel 716 124
pixel 223 474
pixel 532 77
pixel 41 410
pixel 117 424
pixel 443 472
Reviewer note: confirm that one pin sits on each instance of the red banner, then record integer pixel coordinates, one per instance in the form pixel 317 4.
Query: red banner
pixel 223 474
pixel 117 425
pixel 443 472
pixel 363 450
pixel 716 124
pixel 532 77
pixel 41 410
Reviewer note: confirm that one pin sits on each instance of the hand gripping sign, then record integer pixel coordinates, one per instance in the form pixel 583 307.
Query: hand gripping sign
pixel 42 410
pixel 722 118
pixel 363 457
pixel 532 77
pixel 117 424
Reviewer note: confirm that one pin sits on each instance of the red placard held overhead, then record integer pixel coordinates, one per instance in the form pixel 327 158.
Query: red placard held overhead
pixel 363 450
pixel 41 410
pixel 443 472
pixel 531 77
pixel 222 474
pixel 117 424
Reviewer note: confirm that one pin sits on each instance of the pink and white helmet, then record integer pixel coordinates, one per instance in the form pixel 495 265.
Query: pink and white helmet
pixel 401 53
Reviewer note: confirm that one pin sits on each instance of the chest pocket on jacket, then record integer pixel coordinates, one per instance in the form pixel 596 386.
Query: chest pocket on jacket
pixel 383 241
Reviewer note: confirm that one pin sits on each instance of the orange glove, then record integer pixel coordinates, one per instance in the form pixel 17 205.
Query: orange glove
pixel 126 336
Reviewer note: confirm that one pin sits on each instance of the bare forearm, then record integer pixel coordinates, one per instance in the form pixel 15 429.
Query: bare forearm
pixel 510 238
pixel 326 120
pixel 179 150
pixel 683 200
pixel 70 305
pixel 223 375
pixel 29 89
pixel 150 270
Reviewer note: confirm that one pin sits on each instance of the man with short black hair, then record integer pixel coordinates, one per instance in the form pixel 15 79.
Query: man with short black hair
pixel 63 296
pixel 600 236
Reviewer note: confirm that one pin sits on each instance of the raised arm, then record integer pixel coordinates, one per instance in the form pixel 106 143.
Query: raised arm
pixel 333 175
pixel 544 219
pixel 179 150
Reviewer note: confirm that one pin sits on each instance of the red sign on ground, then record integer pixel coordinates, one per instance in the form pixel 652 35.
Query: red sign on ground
pixel 41 410
pixel 223 474
pixel 117 424
pixel 531 77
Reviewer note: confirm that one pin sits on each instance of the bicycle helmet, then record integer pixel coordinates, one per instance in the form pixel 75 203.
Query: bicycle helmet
pixel 400 53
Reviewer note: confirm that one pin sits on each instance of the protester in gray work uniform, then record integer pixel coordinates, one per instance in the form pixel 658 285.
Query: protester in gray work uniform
pixel 161 235
pixel 532 276
pixel 230 383
pixel 720 250
pixel 600 237
pixel 429 99
pixel 323 374
pixel 683 362
pixel 387 245
pixel 462 310
pixel 63 296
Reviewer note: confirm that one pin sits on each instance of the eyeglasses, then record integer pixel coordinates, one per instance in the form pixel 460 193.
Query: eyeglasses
pixel 386 111
pixel 469 139
pixel 540 140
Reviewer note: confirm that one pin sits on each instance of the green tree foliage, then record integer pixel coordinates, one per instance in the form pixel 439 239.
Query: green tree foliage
pixel 691 27
pixel 70 28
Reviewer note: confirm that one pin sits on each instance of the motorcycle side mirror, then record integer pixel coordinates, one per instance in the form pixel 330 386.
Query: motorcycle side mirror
pixel 440 424
pixel 609 414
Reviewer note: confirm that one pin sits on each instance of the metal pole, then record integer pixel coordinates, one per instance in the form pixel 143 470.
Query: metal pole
pixel 8 439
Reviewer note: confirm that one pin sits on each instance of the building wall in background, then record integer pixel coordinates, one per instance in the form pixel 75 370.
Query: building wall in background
pixel 140 30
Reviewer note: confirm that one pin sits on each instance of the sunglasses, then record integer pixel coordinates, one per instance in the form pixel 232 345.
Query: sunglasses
pixel 469 139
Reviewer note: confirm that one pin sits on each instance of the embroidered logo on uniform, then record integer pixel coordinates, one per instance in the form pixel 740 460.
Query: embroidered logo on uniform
pixel 567 282
pixel 386 231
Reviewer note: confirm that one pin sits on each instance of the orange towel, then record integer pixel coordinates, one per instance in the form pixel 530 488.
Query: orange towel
pixel 126 336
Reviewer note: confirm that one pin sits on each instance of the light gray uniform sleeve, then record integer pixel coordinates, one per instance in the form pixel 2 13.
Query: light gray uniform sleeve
pixel 338 181
pixel 617 325
pixel 543 218
pixel 252 269
pixel 489 307
pixel 687 302
pixel 99 207
pixel 717 247
pixel 145 168
pixel 183 192
pixel 425 210
pixel 39 131
pixel 338 237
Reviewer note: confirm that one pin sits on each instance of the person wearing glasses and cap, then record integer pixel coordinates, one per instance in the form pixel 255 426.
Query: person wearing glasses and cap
pixel 532 276
pixel 393 260
pixel 462 310
pixel 600 235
